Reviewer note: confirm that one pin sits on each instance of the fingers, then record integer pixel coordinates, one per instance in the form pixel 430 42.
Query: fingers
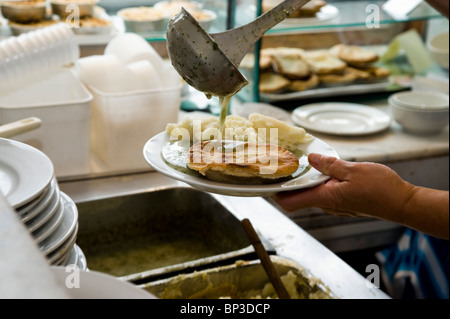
pixel 329 165
pixel 294 200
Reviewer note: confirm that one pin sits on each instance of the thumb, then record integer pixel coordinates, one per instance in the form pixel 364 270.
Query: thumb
pixel 329 165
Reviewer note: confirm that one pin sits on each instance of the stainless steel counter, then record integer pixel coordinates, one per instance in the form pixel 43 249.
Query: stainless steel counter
pixel 287 238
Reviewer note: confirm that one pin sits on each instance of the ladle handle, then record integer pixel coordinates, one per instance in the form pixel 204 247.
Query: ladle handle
pixel 246 36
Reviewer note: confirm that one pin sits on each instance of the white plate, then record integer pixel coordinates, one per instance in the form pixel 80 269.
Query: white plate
pixel 152 154
pixel 51 195
pixel 82 263
pixel 41 200
pixel 97 285
pixel 45 231
pixel 45 215
pixel 25 172
pixel 72 259
pixel 64 230
pixel 60 255
pixel 341 118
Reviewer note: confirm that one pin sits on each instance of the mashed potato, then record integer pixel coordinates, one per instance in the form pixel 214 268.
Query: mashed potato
pixel 257 129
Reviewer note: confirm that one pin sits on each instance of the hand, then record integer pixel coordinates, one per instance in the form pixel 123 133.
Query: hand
pixel 355 189
pixel 372 190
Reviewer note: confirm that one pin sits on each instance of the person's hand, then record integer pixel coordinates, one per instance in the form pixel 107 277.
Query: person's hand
pixel 355 189
pixel 372 190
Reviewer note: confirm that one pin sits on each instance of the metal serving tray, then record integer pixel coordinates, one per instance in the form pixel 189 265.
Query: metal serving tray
pixel 241 280
pixel 141 236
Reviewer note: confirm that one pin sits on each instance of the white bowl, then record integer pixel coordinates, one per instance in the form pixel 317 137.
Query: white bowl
pixel 420 112
pixel 438 47
pixel 143 19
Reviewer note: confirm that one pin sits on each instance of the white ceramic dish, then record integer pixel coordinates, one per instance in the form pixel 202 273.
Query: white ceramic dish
pixel 341 119
pixel 73 257
pixel 64 230
pixel 25 172
pixel 422 101
pixel 45 215
pixel 312 177
pixel 439 49
pixel 42 200
pixel 420 112
pixel 82 264
pixel 41 234
pixel 96 285
pixel 51 195
pixel 61 254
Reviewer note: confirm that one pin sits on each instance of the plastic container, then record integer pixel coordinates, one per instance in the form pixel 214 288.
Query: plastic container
pixel 121 124
pixel 62 103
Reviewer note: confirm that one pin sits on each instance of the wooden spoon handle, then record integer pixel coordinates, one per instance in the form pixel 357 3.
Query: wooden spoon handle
pixel 265 260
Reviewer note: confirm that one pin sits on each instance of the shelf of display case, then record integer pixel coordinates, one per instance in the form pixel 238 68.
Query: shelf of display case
pixel 343 14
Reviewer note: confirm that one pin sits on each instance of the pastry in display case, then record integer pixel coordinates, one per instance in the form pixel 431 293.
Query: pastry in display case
pixel 83 16
pixel 297 70
pixel 156 18
pixel 307 57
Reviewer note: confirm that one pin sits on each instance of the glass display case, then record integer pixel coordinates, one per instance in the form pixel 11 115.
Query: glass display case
pixel 371 26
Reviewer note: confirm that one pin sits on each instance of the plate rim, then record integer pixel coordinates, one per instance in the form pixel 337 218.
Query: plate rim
pixel 338 106
pixel 40 166
pixel 152 154
pixel 70 215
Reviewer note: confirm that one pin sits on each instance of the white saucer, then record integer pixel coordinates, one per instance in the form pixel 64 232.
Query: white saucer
pixel 341 118
pixel 25 172
pixel 152 154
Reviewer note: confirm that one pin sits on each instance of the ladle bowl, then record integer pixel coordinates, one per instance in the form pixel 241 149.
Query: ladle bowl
pixel 209 62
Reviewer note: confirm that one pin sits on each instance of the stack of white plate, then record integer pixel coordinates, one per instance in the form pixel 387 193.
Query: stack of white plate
pixel 28 182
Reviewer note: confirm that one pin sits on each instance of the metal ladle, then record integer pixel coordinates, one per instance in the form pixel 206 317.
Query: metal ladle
pixel 208 62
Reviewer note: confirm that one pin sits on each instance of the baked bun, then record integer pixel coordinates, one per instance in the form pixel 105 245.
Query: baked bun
pixel 241 162
pixel 272 83
pixel 345 77
pixel 305 84
pixel 291 66
pixel 354 55
pixel 323 62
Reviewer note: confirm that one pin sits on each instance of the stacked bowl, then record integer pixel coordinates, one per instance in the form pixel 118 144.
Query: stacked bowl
pixel 28 182
pixel 423 113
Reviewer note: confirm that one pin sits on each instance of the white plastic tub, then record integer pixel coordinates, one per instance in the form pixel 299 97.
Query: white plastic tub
pixel 62 102
pixel 121 124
